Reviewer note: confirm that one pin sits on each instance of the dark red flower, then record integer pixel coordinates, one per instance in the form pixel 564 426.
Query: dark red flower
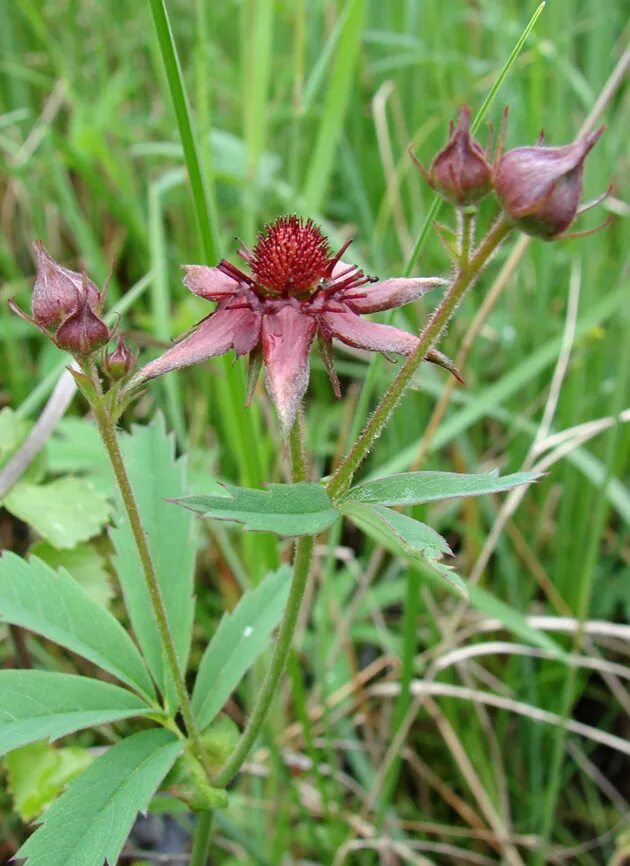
pixel 540 187
pixel 296 289
pixel 57 290
pixel 460 172
pixel 66 306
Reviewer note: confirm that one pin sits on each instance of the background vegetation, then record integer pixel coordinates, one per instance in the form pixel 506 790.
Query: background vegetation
pixel 453 735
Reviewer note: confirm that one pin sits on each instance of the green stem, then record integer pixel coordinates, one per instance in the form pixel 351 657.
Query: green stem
pixel 203 203
pixel 107 430
pixel 466 276
pixel 201 844
pixel 301 569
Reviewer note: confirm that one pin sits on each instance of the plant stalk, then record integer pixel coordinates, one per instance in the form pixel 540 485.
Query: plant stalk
pixel 107 430
pixel 201 843
pixel 301 569
pixel 466 276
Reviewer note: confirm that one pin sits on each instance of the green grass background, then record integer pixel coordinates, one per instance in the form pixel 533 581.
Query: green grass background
pixel 309 107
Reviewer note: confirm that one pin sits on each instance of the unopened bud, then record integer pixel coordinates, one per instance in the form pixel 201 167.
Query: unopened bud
pixel 120 361
pixel 57 290
pixel 82 332
pixel 540 187
pixel 460 172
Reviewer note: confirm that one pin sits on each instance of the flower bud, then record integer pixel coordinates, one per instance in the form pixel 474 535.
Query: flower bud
pixel 460 172
pixel 119 362
pixel 540 187
pixel 57 290
pixel 82 332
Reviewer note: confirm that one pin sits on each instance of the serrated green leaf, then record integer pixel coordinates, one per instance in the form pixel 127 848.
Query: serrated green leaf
pixel 414 488
pixel 90 822
pixel 52 604
pixel 37 705
pixel 64 512
pixel 155 474
pixel 405 537
pixel 38 772
pixel 284 509
pixel 84 563
pixel 241 637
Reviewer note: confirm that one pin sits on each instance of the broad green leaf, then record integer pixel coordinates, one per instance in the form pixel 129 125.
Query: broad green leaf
pixel 37 705
pixel 413 488
pixel 155 475
pixel 38 772
pixel 64 512
pixel 84 563
pixel 285 509
pixel 241 637
pixel 405 537
pixel 92 819
pixel 512 619
pixel 53 605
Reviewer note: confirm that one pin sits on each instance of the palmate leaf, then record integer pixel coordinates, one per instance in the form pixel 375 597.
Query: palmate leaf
pixel 155 475
pixel 414 488
pixel 53 605
pixel 37 705
pixel 284 509
pixel 406 537
pixel 90 822
pixel 64 511
pixel 241 637
pixel 38 773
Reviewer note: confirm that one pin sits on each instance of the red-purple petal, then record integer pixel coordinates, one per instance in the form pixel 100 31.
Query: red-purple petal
pixel 286 340
pixel 209 283
pixel 387 294
pixel 355 331
pixel 224 330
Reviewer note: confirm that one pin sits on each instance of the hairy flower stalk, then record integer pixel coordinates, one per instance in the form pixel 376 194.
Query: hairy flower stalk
pixel 296 289
pixel 467 274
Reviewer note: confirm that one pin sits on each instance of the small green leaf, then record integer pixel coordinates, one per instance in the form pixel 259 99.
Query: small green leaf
pixel 155 474
pixel 84 563
pixel 38 772
pixel 52 604
pixel 91 820
pixel 241 637
pixel 405 537
pixel 284 509
pixel 37 705
pixel 413 488
pixel 64 512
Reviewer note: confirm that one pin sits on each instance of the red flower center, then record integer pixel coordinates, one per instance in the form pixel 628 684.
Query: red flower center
pixel 291 256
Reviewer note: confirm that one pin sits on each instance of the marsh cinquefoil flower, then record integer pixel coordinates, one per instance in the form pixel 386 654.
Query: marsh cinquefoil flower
pixel 540 187
pixel 460 172
pixel 296 290
pixel 66 306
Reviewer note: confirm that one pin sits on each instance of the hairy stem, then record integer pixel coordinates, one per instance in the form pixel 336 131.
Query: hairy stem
pixel 466 276
pixel 301 569
pixel 107 430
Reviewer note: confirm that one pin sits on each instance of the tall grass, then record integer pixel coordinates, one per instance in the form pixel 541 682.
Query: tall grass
pixel 310 107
